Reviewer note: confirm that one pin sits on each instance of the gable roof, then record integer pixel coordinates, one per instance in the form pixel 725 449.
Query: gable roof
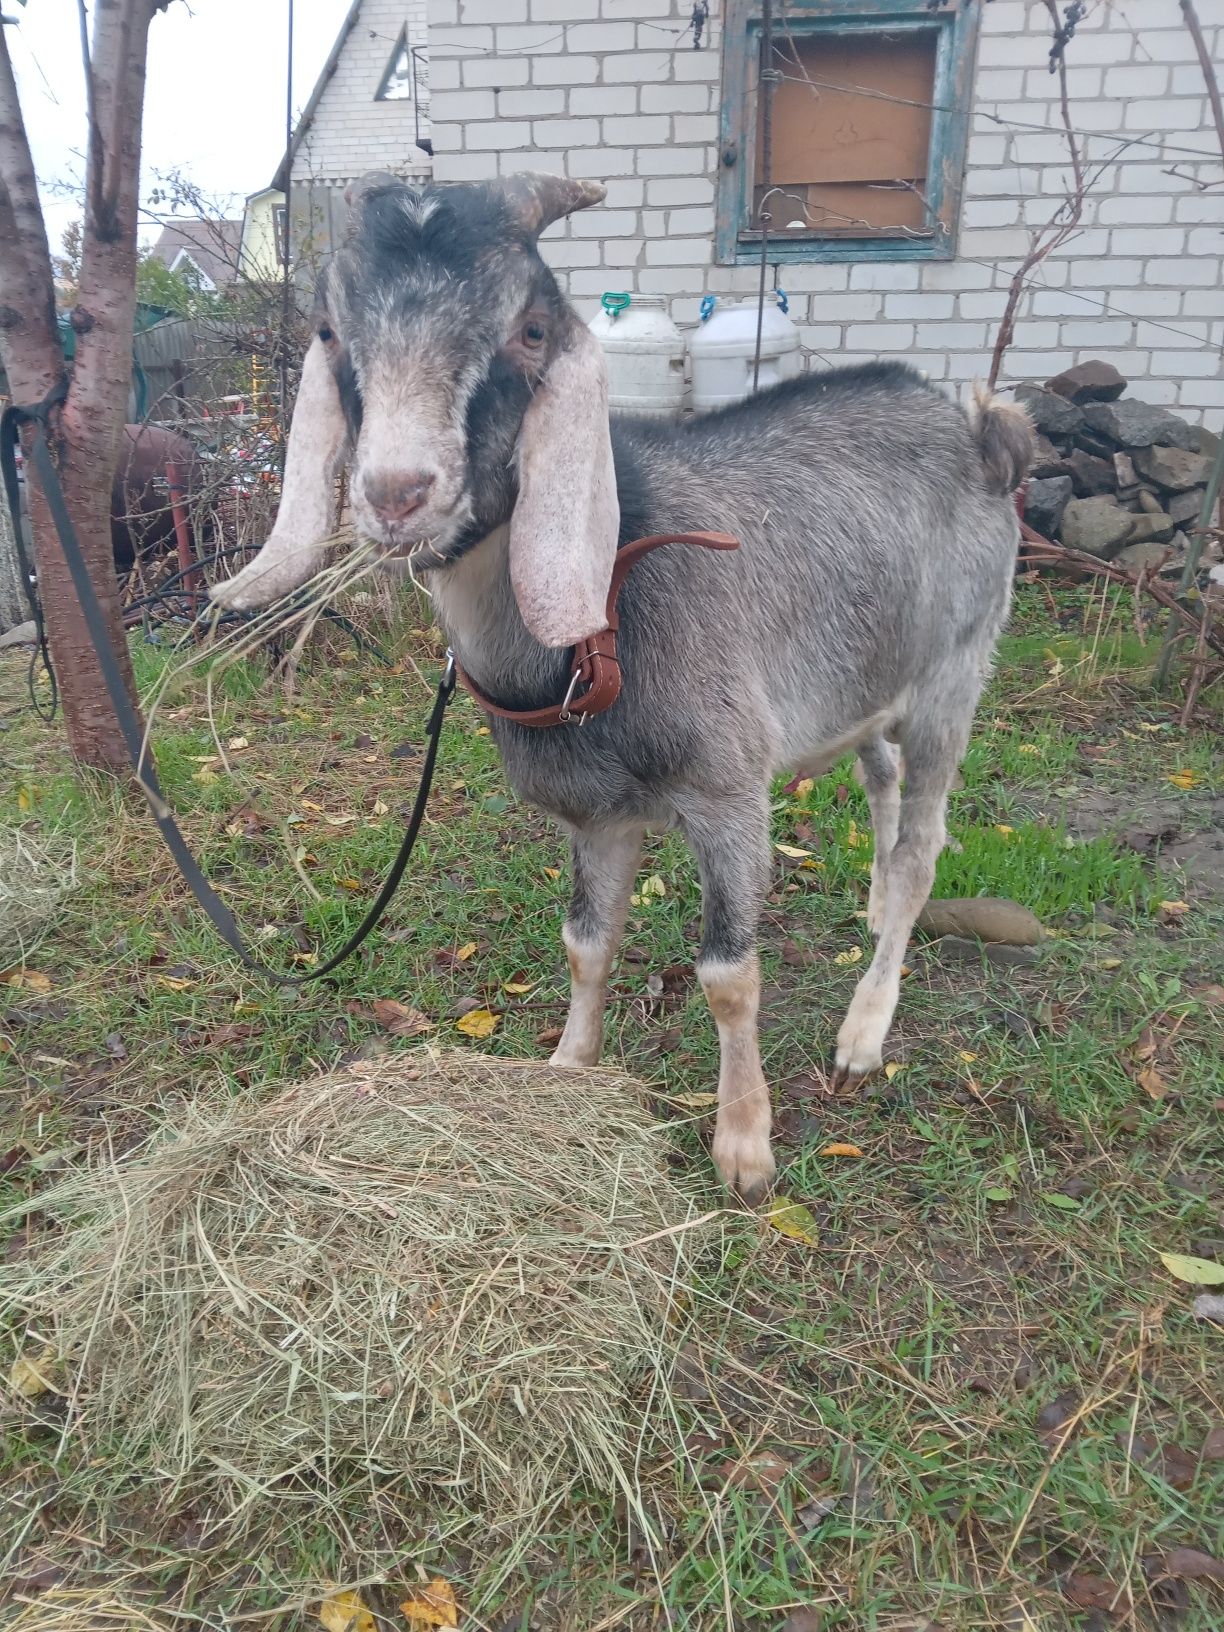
pixel 285 169
pixel 212 245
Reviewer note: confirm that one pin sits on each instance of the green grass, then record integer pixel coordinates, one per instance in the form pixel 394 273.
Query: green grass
pixel 994 1248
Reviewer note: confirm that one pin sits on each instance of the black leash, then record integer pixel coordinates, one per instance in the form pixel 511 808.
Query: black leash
pixel 133 735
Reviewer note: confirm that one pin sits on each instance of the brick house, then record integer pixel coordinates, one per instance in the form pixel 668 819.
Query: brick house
pixel 916 147
pixel 369 110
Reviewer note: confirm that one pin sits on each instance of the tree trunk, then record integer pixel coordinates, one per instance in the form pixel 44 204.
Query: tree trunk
pixel 14 608
pixel 85 432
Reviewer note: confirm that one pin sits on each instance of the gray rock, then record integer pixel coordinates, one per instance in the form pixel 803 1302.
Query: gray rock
pixel 1049 412
pixel 1138 424
pixel 1205 441
pixel 1097 526
pixel 21 634
pixel 1143 557
pixel 1092 381
pixel 1174 469
pixel 955 949
pixel 1044 503
pixel 1125 474
pixel 1096 443
pixel 1152 528
pixel 1147 501
pixel 1185 507
pixel 1047 460
pixel 1089 474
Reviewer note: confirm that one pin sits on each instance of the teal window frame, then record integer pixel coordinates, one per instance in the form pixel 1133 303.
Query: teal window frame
pixel 956 23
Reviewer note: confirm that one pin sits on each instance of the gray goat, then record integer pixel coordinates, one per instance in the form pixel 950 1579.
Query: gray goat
pixel 878 541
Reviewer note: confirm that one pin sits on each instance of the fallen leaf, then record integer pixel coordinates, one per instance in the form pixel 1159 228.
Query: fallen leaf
pixel 175 983
pixel 653 885
pixel 30 1376
pixel 1213 1445
pixel 996 1192
pixel 231 1032
pixel 549 1038
pixel 1109 963
pixel 464 952
pixel 345 1612
pixel 1212 995
pixel 967 1055
pixel 1183 778
pixel 1169 910
pixel 693 1102
pixel 1197 1271
pixel 478 1023
pixel 1192 1565
pixel 1209 1306
pixel 793 1220
pixel 434 1605
pixel 349 883
pixel 516 988
pixel 803 787
pixel 399 1019
pixel 31 980
pixel 765 1471
pixel 854 955
pixel 1002 827
pixel 1056 1198
pixel 236 743
pixel 381 807
pixel 792 850
pixel 1090 1591
pixel 1027 748
pixel 552 872
pixel 798 957
pixel 1152 1083
pixel 891 1068
pixel 836 1149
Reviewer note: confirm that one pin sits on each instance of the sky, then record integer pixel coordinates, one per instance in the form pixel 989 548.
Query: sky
pixel 215 97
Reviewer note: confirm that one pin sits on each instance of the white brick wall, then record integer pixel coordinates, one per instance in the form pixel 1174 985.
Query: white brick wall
pixel 351 132
pixel 601 88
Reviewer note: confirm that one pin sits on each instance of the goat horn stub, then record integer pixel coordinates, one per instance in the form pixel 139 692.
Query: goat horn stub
pixel 537 200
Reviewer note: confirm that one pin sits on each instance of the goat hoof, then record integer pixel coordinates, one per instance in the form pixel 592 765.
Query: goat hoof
pixel 858 1054
pixel 746 1164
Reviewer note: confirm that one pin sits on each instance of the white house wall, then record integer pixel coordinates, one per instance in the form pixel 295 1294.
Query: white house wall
pixel 350 132
pixel 601 88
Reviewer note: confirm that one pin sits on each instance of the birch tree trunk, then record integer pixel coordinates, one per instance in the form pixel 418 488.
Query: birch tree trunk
pixel 85 431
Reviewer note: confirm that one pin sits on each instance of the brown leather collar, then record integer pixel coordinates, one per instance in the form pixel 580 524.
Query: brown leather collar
pixel 595 665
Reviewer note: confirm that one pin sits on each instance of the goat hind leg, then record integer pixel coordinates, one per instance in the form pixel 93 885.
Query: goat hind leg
pixel 605 861
pixel 910 874
pixel 877 770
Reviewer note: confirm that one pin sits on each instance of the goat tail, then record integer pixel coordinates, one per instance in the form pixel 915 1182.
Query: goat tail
pixel 1005 440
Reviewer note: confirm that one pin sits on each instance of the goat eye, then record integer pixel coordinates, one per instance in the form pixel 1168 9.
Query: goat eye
pixel 533 335
pixel 325 334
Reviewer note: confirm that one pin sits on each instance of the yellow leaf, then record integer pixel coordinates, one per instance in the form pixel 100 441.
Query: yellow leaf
pixel 345 1612
pixel 31 1374
pixel 1002 827
pixel 1109 963
pixel 803 788
pixel 1027 748
pixel 854 955
pixel 235 743
pixel 309 804
pixel 793 1220
pixel 892 1067
pixel 1146 725
pixel 381 807
pixel 464 952
pixel 815 866
pixel 349 883
pixel 693 1102
pixel 905 970
pixel 478 1023
pixel 482 731
pixel 1198 1271
pixel 841 1150
pixel 25 799
pixel 338 821
pixel 204 775
pixel 653 885
pixel 1184 778
pixel 433 1606
pixel 967 1055
pixel 1174 909
pixel 516 988
pixel 31 979
pixel 853 837
pixel 792 850
pixel 552 872
pixel 1152 1083
pixel 174 983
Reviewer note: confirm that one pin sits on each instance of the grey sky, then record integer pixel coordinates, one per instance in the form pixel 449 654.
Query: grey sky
pixel 215 101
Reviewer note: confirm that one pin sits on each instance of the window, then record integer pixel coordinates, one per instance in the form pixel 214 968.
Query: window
pixel 396 83
pixel 870 119
pixel 280 221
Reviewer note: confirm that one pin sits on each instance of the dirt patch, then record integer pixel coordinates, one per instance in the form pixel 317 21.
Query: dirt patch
pixel 1188 837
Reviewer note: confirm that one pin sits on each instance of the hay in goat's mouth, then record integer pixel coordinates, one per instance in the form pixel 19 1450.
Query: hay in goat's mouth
pixel 438 1285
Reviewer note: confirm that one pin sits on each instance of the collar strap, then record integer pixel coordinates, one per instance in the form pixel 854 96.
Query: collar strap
pixel 595 676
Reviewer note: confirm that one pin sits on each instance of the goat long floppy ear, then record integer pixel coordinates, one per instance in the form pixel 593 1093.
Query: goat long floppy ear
pixel 564 529
pixel 297 544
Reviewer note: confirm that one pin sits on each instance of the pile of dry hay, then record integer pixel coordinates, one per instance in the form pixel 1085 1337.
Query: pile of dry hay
pixel 34 879
pixel 441 1285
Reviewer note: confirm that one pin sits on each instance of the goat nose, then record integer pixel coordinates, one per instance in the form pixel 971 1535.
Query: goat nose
pixel 395 497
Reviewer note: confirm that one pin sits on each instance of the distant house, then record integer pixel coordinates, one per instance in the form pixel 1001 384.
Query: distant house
pixel 369 110
pixel 261 256
pixel 207 253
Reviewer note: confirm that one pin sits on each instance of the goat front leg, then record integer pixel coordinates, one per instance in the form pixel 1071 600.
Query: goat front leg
pixel 605 861
pixel 878 769
pixel 731 844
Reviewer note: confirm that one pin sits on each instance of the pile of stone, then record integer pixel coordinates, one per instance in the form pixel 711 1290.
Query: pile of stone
pixel 1115 477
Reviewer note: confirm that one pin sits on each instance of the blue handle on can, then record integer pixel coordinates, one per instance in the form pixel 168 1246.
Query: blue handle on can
pixel 708 303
